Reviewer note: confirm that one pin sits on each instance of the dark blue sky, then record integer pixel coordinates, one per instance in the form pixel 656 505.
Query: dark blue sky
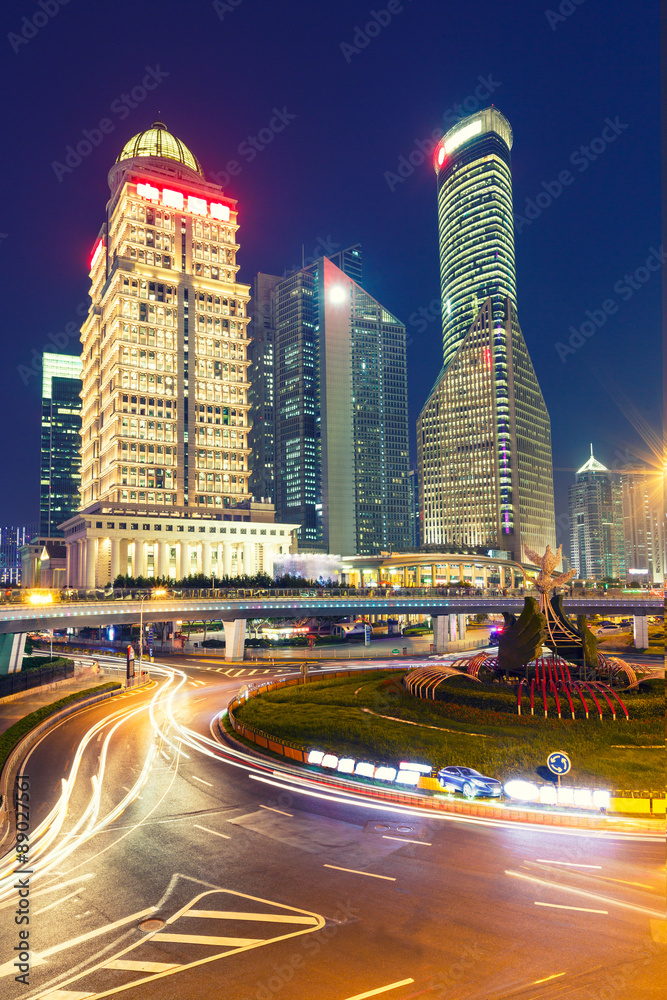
pixel 359 104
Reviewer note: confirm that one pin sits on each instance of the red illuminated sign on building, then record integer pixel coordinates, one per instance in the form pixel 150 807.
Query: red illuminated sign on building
pixel 176 199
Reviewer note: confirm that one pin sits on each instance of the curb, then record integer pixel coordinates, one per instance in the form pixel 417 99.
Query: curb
pixel 33 736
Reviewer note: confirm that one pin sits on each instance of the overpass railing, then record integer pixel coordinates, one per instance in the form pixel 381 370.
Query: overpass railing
pixel 23 597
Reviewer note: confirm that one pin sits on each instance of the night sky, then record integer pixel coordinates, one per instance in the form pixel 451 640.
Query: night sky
pixel 354 105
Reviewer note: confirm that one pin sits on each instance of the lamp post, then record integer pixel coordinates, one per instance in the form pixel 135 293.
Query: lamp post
pixel 141 632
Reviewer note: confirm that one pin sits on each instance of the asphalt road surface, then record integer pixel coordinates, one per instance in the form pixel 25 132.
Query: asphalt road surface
pixel 181 870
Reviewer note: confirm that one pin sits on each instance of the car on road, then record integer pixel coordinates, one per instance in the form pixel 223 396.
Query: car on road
pixel 494 636
pixel 469 781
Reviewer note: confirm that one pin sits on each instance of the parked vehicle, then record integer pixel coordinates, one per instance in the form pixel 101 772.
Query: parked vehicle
pixel 469 781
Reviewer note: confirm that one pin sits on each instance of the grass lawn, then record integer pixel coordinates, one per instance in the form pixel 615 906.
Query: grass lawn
pixel 624 643
pixel 476 725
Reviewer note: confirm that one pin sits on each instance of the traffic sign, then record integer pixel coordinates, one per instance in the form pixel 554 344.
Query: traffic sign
pixel 558 762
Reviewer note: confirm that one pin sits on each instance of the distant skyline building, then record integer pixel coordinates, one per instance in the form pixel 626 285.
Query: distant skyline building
pixel 60 469
pixel 596 522
pixel 643 527
pixel 261 385
pixel 340 429
pixel 164 414
pixel 413 493
pixel 484 434
pixel 12 538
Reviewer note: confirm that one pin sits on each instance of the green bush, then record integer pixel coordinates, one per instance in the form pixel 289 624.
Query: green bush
pixel 15 733
pixel 35 662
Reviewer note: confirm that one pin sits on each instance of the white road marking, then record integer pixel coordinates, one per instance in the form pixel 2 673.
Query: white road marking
pixel 404 840
pixel 354 871
pixel 274 918
pixel 583 909
pixel 233 942
pixel 271 809
pixel 202 781
pixel 67 995
pixel 238 673
pixel 58 901
pixel 51 888
pixel 590 895
pixel 206 830
pixel 381 989
pixel 571 864
pixel 128 966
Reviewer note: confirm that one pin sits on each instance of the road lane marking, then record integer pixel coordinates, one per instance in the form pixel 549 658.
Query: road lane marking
pixel 355 871
pixel 202 781
pixel 39 959
pixel 206 830
pixel 591 895
pixel 381 989
pixel 582 909
pixel 51 888
pixel 571 864
pixel 274 918
pixel 271 809
pixel 67 995
pixel 128 966
pixel 547 979
pixel 641 885
pixel 404 840
pixel 233 942
pixel 57 902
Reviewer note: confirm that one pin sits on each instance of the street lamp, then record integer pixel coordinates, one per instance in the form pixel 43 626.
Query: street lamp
pixel 154 593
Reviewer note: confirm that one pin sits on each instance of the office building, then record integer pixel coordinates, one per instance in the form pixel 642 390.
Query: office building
pixel 413 494
pixel 261 385
pixel 643 527
pixel 340 434
pixel 596 523
pixel 12 538
pixel 164 398
pixel 484 435
pixel 60 472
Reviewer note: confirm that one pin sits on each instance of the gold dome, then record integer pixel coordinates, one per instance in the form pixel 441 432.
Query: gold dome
pixel 157 141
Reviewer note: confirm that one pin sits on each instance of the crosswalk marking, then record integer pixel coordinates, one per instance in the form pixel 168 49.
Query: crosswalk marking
pixel 233 942
pixel 128 966
pixel 68 995
pixel 275 918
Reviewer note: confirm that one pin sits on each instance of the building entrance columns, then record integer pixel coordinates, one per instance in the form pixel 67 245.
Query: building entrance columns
pixel 162 560
pixel 91 563
pixel 206 559
pixel 114 565
pixel 227 559
pixel 183 560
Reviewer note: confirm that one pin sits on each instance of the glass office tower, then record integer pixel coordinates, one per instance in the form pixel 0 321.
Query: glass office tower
pixel 484 435
pixel 60 467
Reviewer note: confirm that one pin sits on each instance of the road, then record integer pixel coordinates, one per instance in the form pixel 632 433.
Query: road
pixel 256 888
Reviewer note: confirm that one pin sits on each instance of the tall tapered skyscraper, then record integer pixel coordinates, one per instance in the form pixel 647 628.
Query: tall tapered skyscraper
pixel 484 435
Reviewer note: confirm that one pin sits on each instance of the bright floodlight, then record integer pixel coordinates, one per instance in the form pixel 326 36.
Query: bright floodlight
pixel 41 599
pixel 524 791
pixel 337 294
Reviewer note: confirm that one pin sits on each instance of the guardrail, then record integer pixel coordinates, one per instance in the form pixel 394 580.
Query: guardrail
pixel 651 803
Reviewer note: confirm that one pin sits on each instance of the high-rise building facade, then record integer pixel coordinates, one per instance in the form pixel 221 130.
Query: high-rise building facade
pixel 164 351
pixel 12 539
pixel 484 435
pixel 60 471
pixel 596 522
pixel 340 413
pixel 261 387
pixel 643 527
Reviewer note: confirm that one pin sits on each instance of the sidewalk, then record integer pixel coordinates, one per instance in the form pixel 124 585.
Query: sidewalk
pixel 17 706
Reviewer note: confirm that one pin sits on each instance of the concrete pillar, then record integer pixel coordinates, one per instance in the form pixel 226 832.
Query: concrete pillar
pixel 267 559
pixel 640 631
pixel 405 577
pixel 448 573
pixel 115 559
pixel 206 558
pixel 139 558
pixel 68 562
pixel 184 561
pixel 418 576
pixel 461 626
pixel 234 639
pixel 440 633
pixel 227 559
pixel 485 576
pixel 452 630
pixel 162 560
pixel 81 564
pixel 12 646
pixel 91 562
pixel 461 573
pixel 433 575
pixel 248 559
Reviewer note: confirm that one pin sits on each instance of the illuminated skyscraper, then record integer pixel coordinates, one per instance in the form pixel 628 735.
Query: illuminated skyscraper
pixel 60 471
pixel 596 522
pixel 164 351
pixel 484 435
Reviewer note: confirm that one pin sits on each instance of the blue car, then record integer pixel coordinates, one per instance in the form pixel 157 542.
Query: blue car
pixel 468 781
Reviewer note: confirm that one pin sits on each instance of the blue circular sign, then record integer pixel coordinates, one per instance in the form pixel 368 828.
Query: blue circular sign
pixel 558 762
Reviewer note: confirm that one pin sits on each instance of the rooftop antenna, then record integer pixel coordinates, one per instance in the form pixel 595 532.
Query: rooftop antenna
pixel 303 258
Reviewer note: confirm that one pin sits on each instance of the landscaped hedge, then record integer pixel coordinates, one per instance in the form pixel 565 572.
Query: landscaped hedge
pixel 15 733
pixel 35 662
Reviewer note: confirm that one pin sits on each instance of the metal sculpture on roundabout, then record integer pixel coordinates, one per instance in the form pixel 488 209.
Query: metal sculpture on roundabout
pixel 571 671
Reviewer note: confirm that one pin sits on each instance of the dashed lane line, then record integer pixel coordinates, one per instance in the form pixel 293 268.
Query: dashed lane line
pixel 355 871
pixel 582 909
pixel 209 783
pixel 381 989
pixel 206 830
pixel 271 809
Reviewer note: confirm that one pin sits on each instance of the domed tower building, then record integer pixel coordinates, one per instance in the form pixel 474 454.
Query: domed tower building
pixel 165 458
